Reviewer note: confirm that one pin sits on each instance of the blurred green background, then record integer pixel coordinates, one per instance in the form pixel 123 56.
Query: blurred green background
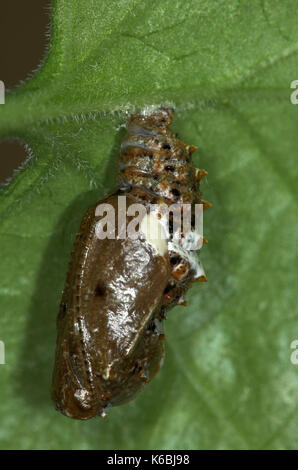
pixel 227 381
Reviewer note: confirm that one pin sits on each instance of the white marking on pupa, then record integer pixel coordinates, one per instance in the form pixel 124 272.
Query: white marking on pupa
pixel 82 395
pixel 190 256
pixel 154 233
pixel 158 326
pixel 105 410
pixel 106 373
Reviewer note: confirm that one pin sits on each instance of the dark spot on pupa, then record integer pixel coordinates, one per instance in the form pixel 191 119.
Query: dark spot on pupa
pixel 137 368
pixel 100 290
pixel 169 168
pixel 63 310
pixel 171 223
pixel 166 146
pixel 168 288
pixel 175 192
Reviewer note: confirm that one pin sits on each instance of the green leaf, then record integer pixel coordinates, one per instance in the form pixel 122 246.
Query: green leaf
pixel 226 67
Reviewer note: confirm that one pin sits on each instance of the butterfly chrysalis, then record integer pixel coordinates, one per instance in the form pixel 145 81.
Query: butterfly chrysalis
pixel 110 340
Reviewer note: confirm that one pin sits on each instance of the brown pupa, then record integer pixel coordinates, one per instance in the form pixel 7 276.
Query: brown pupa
pixel 110 342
